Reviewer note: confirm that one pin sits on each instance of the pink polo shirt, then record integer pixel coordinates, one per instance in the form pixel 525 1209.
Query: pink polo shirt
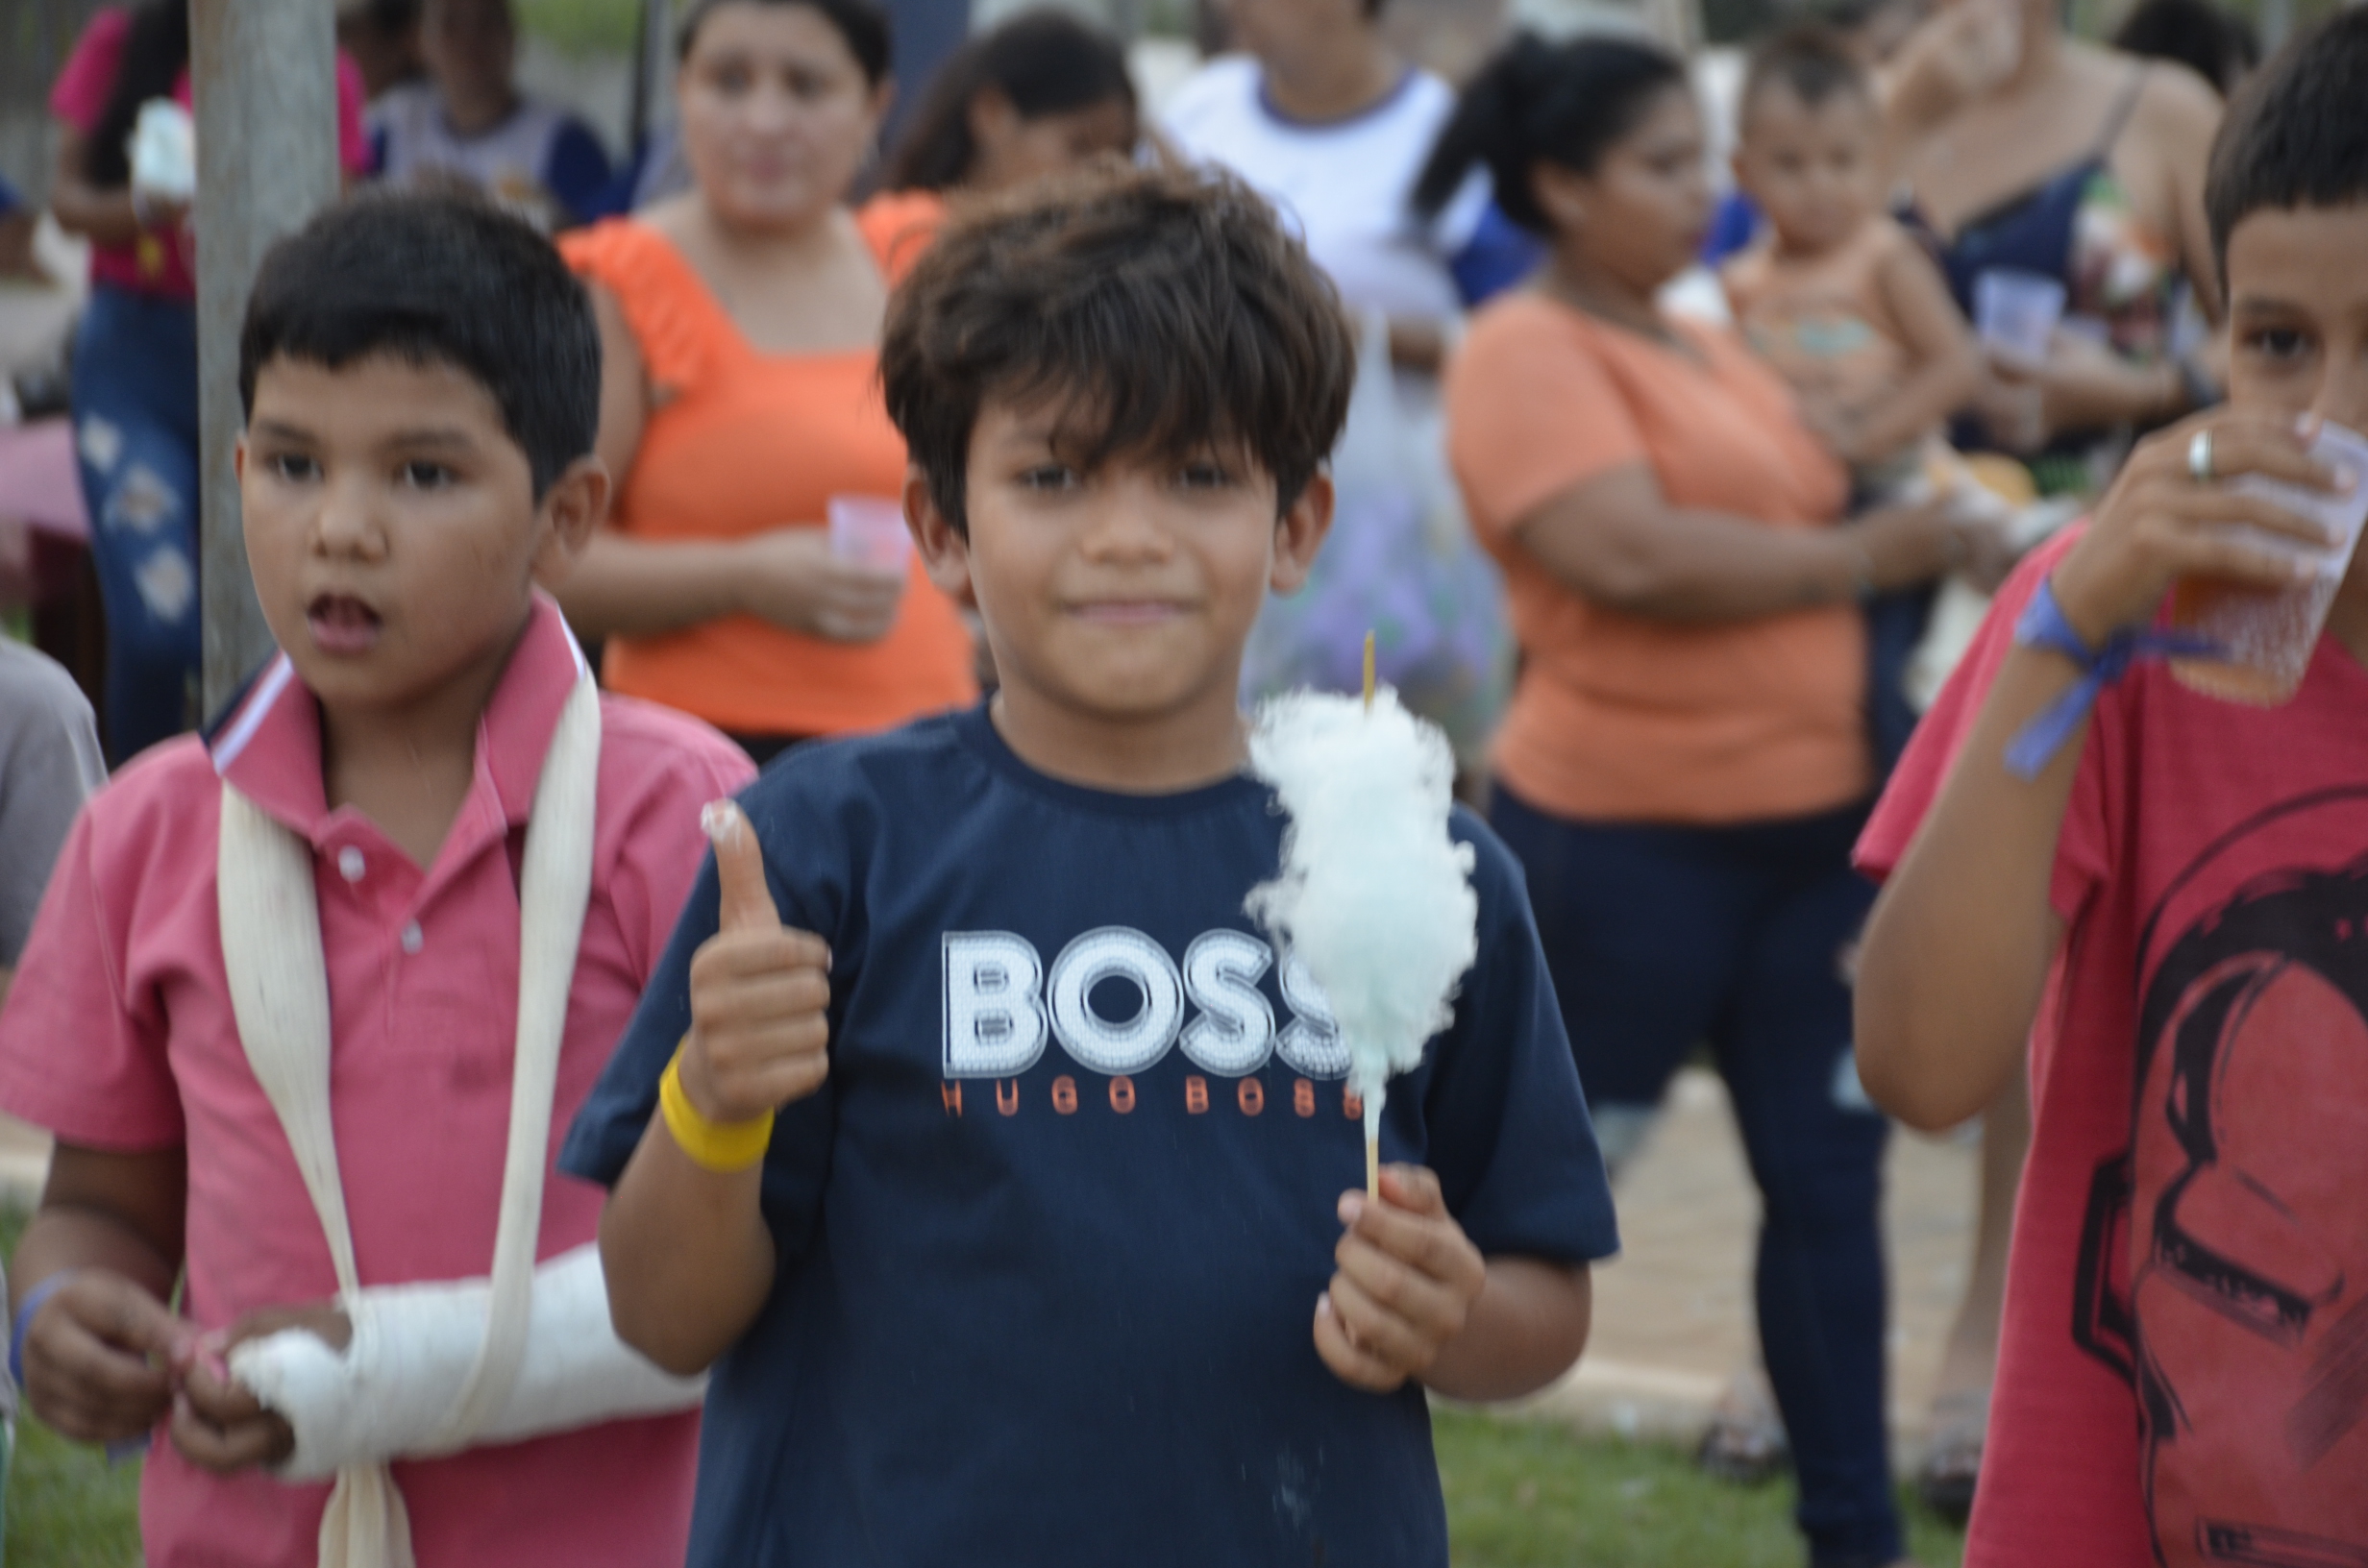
pixel 118 1034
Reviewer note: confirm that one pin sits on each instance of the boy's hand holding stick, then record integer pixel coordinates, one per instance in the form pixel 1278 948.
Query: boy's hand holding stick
pixel 1404 1284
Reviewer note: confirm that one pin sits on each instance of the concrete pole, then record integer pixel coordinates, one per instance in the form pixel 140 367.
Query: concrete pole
pixel 265 82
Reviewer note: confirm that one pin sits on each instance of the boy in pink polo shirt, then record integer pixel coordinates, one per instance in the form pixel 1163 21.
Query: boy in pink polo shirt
pixel 421 377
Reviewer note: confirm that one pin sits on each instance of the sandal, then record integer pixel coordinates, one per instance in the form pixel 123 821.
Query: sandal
pixel 1747 1444
pixel 1944 1481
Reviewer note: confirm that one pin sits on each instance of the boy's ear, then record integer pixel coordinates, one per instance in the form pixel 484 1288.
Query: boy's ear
pixel 1301 533
pixel 572 508
pixel 944 551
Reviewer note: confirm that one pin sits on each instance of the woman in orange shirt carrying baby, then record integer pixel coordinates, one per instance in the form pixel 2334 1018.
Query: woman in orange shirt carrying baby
pixel 740 406
pixel 1687 759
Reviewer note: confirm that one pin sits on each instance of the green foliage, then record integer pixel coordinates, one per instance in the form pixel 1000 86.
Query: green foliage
pixel 583 27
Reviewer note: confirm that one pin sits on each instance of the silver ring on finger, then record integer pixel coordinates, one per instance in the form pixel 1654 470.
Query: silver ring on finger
pixel 2199 457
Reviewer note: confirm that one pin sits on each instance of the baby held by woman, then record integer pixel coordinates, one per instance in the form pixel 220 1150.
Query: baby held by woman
pixel 1837 297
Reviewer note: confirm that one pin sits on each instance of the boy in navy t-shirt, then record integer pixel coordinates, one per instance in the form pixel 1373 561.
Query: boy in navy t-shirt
pixel 1046 1256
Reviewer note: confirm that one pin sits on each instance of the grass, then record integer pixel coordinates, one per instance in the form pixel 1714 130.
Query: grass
pixel 1530 1495
pixel 1519 1495
pixel 66 1507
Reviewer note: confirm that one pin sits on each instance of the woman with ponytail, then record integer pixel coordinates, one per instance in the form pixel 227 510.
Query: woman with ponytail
pixel 135 357
pixel 1686 762
pixel 1042 93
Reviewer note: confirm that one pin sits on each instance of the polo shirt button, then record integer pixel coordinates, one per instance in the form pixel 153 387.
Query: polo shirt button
pixel 350 863
pixel 412 938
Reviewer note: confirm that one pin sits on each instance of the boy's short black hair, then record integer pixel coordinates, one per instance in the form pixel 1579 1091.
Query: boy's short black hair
pixel 1164 310
pixel 437 279
pixel 2297 135
pixel 1813 59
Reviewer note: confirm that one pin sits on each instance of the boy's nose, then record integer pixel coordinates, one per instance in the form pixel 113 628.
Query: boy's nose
pixel 347 523
pixel 1122 527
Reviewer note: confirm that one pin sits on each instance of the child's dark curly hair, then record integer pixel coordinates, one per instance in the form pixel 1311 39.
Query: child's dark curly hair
pixel 1163 312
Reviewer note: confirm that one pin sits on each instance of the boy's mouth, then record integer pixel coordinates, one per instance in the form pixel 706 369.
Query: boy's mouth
pixel 341 624
pixel 1126 612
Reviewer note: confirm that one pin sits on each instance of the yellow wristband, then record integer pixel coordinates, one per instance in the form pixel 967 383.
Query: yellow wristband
pixel 723 1147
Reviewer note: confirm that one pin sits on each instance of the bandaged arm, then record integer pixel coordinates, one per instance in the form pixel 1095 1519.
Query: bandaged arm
pixel 390 1393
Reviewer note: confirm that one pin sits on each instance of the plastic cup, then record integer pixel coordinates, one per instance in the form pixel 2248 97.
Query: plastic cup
pixel 164 151
pixel 2016 311
pixel 2266 636
pixel 869 530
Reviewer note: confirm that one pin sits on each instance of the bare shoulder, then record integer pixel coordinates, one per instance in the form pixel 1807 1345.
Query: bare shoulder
pixel 2172 98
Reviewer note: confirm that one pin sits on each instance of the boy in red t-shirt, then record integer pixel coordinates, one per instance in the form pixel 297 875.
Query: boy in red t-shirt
pixel 2179 899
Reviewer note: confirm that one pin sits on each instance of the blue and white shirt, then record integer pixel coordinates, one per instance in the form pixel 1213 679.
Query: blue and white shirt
pixel 542 161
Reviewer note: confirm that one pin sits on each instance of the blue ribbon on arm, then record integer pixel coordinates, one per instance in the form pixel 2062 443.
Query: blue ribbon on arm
pixel 2044 626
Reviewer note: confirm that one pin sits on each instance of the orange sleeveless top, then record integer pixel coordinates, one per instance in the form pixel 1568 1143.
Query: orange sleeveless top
pixel 754 441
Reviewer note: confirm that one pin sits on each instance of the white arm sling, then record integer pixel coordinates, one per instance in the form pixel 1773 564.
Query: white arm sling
pixel 434 1367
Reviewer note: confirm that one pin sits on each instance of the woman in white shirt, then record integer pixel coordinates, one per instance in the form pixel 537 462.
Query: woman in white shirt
pixel 1321 117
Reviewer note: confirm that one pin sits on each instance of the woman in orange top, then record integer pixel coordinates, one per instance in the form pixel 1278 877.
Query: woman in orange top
pixel 740 325
pixel 1686 761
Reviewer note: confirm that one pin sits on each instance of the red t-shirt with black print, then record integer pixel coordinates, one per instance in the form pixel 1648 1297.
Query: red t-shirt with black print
pixel 2183 1371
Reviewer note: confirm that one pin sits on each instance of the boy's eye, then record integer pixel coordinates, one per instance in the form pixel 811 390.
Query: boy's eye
pixel 2276 342
pixel 731 80
pixel 1207 475
pixel 292 468
pixel 1050 476
pixel 421 475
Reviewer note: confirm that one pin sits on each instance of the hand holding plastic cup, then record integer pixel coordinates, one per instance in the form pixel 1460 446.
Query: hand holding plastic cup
pixel 162 152
pixel 2266 637
pixel 2016 312
pixel 868 530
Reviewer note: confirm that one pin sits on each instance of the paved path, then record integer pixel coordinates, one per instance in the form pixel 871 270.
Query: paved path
pixel 1673 1313
pixel 24 1162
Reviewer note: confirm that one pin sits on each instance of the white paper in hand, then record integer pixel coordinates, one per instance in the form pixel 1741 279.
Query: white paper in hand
pixel 1374 896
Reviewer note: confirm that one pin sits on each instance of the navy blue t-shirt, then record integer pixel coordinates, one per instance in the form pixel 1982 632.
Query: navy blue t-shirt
pixel 1053 1233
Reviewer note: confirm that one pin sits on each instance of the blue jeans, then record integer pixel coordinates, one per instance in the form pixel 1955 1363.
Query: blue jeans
pixel 1660 938
pixel 135 438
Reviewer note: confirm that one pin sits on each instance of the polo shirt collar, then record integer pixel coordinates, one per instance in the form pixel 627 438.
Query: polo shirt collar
pixel 269 748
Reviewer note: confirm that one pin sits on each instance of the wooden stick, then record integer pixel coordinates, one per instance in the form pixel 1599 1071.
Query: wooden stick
pixel 1373 1142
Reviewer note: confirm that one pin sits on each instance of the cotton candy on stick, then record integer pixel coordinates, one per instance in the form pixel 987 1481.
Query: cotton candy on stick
pixel 1374 896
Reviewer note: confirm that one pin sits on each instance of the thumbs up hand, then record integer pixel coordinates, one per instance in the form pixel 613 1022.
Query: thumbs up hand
pixel 760 992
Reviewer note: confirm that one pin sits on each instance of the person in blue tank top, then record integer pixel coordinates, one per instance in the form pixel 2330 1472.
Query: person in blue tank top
pixel 998 1167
